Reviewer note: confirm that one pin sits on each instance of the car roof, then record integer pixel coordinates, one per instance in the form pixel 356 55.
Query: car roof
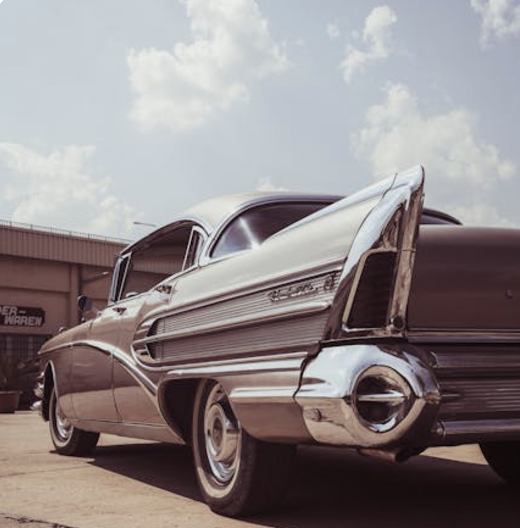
pixel 212 213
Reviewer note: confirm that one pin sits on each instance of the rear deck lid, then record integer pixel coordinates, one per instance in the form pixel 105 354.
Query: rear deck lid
pixel 466 279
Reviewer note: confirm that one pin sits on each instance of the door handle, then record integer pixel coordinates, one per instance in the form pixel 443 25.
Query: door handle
pixel 119 309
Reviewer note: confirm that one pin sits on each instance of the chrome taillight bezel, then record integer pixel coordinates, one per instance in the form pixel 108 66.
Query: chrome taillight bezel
pixel 381 398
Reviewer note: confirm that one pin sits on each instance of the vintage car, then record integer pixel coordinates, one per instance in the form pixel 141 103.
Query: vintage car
pixel 259 322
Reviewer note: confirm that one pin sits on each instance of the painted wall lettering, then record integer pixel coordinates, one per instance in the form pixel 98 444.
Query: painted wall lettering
pixel 21 316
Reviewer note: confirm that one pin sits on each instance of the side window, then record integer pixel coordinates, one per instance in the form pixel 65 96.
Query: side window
pixel 254 226
pixel 194 248
pixel 146 269
pixel 118 277
pixel 154 260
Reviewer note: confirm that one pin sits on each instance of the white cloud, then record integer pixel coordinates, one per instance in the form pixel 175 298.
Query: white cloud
pixel 333 31
pixel 184 88
pixel 500 19
pixel 266 185
pixel 461 168
pixel 56 190
pixel 480 214
pixel 377 37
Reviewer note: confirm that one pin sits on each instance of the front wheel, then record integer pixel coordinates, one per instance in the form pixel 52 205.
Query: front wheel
pixel 237 474
pixel 504 458
pixel 66 438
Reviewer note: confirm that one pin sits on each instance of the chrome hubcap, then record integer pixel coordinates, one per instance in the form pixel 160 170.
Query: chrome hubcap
pixel 222 436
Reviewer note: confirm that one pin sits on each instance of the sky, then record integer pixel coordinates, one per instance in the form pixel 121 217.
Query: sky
pixel 123 111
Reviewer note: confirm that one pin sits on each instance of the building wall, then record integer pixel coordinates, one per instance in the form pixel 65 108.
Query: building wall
pixel 42 272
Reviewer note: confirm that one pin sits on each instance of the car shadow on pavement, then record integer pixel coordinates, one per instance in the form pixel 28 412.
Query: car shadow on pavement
pixel 334 488
pixel 165 466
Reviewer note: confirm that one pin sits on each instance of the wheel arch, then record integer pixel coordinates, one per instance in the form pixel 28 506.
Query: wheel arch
pixel 176 399
pixel 49 380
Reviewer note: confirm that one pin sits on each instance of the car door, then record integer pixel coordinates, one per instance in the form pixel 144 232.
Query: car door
pixel 135 390
pixel 92 367
pixel 154 266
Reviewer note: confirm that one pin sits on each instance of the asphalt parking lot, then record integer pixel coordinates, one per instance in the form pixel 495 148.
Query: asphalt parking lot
pixel 130 484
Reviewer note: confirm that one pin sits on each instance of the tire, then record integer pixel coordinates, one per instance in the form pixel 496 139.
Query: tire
pixel 237 474
pixel 504 459
pixel 68 440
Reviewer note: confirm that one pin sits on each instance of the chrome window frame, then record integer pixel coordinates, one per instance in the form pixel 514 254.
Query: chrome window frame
pixel 197 236
pixel 125 257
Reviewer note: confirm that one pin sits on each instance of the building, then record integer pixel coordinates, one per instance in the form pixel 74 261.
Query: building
pixel 42 272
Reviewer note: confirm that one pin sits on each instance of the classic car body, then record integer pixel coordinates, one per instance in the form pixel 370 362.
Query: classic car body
pixel 255 323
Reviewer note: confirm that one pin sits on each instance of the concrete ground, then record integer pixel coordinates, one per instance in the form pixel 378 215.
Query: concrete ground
pixel 131 484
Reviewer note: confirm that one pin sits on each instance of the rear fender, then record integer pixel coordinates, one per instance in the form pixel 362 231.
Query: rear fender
pixel 391 228
pixel 256 332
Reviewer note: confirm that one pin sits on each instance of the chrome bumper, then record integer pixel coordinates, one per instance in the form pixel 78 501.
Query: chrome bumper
pixel 469 431
pixel 331 399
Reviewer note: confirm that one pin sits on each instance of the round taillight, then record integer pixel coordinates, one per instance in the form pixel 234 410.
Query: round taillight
pixel 382 398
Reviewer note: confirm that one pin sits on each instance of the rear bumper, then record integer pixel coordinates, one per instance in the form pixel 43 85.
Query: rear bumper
pixel 470 431
pixel 330 398
pixel 457 394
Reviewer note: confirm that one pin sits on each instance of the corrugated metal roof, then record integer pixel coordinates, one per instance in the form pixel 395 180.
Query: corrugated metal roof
pixel 62 246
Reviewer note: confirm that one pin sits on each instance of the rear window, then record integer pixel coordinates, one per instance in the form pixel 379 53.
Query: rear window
pixel 433 217
pixel 252 227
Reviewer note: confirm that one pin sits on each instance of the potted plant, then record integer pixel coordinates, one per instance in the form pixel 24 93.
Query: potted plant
pixel 9 393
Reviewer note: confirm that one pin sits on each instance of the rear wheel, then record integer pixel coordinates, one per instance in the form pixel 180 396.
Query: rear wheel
pixel 237 474
pixel 504 458
pixel 66 438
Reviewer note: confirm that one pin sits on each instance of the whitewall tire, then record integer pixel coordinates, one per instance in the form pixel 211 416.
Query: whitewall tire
pixel 237 474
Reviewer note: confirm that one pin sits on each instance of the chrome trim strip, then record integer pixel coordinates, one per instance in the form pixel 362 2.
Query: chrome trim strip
pixel 488 360
pixel 124 360
pixel 55 349
pixel 139 350
pixel 102 346
pixel 159 433
pixel 384 397
pixel 411 197
pixel 364 195
pixel 235 367
pixel 463 336
pixel 275 315
pixel 145 382
pixel 261 395
pixel 258 287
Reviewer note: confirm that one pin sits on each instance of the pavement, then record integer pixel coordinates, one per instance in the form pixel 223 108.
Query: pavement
pixel 130 483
